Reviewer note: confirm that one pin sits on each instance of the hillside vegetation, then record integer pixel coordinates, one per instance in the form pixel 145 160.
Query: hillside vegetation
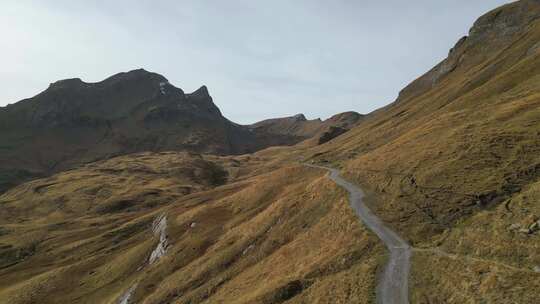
pixel 233 234
pixel 455 163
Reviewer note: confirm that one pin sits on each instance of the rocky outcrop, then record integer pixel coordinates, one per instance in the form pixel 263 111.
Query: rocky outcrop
pixel 491 33
pixel 505 21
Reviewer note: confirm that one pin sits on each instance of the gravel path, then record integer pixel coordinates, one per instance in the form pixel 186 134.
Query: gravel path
pixel 393 287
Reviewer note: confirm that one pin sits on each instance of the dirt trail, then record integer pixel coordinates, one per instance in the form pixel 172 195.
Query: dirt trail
pixel 393 287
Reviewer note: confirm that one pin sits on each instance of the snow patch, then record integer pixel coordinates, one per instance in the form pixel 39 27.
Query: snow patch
pixel 537 269
pixel 159 227
pixel 162 87
pixel 124 299
pixel 248 249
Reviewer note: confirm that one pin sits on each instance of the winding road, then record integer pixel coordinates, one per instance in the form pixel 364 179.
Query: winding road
pixel 393 287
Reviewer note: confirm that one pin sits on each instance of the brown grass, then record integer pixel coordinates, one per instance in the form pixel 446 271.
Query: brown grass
pixel 268 233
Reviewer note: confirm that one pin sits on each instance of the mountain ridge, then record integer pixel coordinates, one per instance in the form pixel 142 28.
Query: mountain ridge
pixel 74 122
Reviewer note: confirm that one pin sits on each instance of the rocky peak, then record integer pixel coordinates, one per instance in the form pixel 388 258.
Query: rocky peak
pixel 299 117
pixel 490 33
pixel 202 100
pixel 201 92
pixel 506 20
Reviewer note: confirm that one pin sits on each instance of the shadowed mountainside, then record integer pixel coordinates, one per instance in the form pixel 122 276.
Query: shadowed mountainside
pixel 74 122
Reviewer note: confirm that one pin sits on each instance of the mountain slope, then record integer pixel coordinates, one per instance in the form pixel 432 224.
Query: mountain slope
pixel 452 158
pixel 74 122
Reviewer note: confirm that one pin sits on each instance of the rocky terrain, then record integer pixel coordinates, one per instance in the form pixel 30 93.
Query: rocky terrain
pixel 453 166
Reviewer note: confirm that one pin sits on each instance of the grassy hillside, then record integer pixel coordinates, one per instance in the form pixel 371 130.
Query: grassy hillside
pixel 455 163
pixel 239 230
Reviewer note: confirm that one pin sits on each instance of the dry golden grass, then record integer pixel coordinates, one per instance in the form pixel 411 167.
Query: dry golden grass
pixel 454 166
pixel 247 229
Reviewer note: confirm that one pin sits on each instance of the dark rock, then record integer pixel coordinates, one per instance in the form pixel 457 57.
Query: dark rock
pixel 332 133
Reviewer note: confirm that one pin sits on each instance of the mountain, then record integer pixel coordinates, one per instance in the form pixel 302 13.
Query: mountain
pixel 453 165
pixel 294 129
pixel 74 122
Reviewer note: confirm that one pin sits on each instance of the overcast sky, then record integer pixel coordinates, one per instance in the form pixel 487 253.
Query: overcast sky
pixel 259 59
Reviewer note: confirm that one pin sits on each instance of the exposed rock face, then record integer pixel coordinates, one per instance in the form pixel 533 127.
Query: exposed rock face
pixel 495 30
pixel 455 163
pixel 330 134
pixel 74 122
pixel 505 21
